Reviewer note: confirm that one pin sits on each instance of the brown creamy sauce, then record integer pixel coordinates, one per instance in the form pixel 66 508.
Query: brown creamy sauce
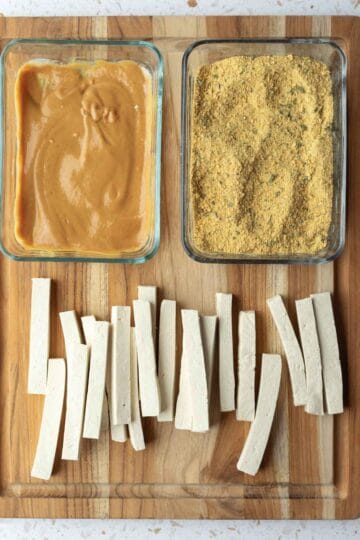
pixel 83 157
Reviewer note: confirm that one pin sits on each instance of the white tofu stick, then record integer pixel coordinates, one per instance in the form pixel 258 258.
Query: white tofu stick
pixel 78 359
pixel 87 323
pixel 72 334
pixel 50 421
pixel 149 294
pixel 330 354
pixel 194 354
pixel 148 382
pixel 167 359
pixel 135 426
pixel 118 433
pixel 96 385
pixel 120 365
pixel 71 329
pixel 291 347
pixel 245 408
pixel 256 441
pixel 226 352
pixel 208 324
pixel 312 357
pixel 183 414
pixel 39 335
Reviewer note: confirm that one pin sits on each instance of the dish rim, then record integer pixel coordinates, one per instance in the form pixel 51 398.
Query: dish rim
pixel 158 140
pixel 286 259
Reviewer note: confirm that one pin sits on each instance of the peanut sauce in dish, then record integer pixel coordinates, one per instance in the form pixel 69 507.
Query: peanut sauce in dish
pixel 83 157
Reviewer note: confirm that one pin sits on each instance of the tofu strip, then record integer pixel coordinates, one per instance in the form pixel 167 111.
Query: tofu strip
pixel 71 329
pixel 148 382
pixel 256 441
pixel 226 352
pixel 39 335
pixel 330 354
pixel 97 375
pixel 135 426
pixel 245 404
pixel 208 325
pixel 292 349
pixel 72 334
pixel 183 414
pixel 167 359
pixel 120 365
pixel 118 433
pixel 50 421
pixel 311 349
pixel 149 294
pixel 76 387
pixel 193 352
pixel 87 323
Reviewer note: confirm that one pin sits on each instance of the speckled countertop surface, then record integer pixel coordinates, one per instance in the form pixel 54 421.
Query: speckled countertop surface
pixel 180 7
pixel 40 529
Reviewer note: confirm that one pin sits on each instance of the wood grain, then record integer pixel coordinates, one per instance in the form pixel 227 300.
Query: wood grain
pixel 312 466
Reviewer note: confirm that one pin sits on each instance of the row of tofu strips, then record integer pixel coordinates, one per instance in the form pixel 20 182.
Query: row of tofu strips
pixel 93 390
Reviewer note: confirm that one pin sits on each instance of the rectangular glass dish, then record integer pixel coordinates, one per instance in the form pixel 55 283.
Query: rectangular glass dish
pixel 23 51
pixel 327 51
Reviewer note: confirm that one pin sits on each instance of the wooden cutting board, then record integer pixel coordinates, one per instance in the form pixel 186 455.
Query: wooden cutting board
pixel 312 465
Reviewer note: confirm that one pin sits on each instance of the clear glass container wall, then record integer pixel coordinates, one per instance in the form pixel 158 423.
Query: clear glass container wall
pixel 13 57
pixel 327 51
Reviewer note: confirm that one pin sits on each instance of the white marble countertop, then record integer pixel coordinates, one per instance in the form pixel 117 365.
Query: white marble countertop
pixel 179 7
pixel 45 529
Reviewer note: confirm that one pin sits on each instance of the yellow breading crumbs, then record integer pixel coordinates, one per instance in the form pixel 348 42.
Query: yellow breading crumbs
pixel 262 156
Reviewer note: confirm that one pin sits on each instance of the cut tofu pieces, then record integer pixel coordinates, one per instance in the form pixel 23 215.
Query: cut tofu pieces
pixel 208 325
pixel 70 328
pixel 256 441
pixel 194 354
pixel 245 403
pixel 50 422
pixel 167 359
pixel 120 365
pixel 292 349
pixel 39 335
pixel 87 323
pixel 204 357
pixel 72 334
pixel 183 414
pixel 192 407
pixel 148 381
pixel 135 426
pixel 226 352
pixel 312 357
pixel 119 432
pixel 78 359
pixel 330 355
pixel 149 294
pixel 96 385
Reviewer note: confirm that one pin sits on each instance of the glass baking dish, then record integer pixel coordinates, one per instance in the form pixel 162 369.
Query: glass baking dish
pixel 21 51
pixel 207 51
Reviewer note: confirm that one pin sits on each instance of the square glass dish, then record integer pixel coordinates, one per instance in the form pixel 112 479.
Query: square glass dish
pixel 24 51
pixel 207 51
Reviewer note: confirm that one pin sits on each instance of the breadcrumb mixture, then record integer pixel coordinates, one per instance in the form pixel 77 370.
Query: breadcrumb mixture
pixel 262 155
